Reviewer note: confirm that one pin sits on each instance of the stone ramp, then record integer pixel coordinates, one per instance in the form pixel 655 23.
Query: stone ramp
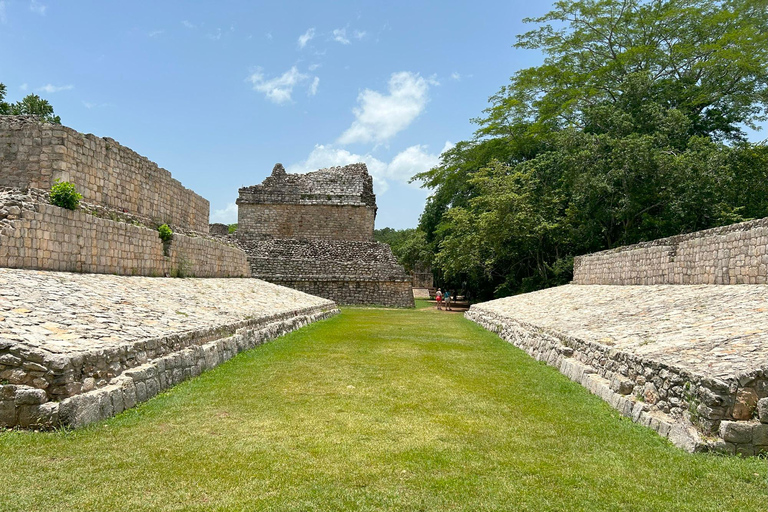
pixel 689 361
pixel 76 348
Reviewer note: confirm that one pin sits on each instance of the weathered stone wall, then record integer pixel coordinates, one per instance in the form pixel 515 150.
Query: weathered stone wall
pixel 734 254
pixel 332 204
pixel 35 154
pixel 345 271
pixel 166 362
pixel 69 341
pixel 614 376
pixel 396 294
pixel 330 222
pixel 36 235
pixel 218 229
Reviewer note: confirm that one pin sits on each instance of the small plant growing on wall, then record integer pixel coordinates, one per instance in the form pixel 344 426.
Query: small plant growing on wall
pixel 64 195
pixel 165 232
pixel 166 235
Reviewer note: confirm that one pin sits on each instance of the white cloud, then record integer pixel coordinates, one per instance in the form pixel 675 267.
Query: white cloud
pixel 313 87
pixel 188 24
pixel 23 87
pixel 313 67
pixel 37 7
pixel 456 76
pixel 279 89
pixel 306 37
pixel 340 35
pixel 50 88
pixel 379 117
pixel 359 34
pixel 403 166
pixel 227 215
pixel 214 36
pixel 413 160
pixel 90 105
pixel 155 33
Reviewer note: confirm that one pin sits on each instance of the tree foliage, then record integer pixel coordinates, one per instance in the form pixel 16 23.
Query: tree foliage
pixel 631 129
pixel 32 104
pixel 408 245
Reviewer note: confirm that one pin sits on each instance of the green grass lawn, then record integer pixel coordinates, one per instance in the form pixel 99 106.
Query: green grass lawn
pixel 374 409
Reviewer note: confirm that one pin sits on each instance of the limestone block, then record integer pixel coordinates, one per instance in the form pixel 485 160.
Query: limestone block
pixel 7 413
pixel 30 396
pixel 762 410
pixel 746 402
pixel 736 431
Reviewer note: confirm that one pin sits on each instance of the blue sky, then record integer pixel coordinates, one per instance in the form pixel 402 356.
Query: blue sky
pixel 218 92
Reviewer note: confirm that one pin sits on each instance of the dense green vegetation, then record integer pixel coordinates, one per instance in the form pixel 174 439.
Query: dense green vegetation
pixel 631 129
pixel 373 410
pixel 30 104
pixel 409 246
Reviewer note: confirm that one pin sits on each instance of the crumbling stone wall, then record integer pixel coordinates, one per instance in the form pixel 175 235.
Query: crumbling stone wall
pixel 34 154
pixel 734 254
pixel 37 235
pixel 347 272
pixel 332 204
pixel 314 232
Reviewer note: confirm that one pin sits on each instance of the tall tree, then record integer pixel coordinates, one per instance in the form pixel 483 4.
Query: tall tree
pixel 631 129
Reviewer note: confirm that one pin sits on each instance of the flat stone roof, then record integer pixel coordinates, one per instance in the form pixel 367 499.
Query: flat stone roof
pixel 710 330
pixel 68 313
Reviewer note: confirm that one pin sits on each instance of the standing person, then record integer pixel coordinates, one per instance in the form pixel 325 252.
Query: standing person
pixel 439 299
pixel 447 300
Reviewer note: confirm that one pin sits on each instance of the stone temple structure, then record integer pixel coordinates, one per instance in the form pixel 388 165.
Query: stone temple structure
pixel 314 232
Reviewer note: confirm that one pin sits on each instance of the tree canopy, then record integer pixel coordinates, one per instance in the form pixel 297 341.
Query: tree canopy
pixel 631 129
pixel 32 104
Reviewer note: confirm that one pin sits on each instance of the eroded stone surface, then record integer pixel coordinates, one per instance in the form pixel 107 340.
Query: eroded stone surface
pixel 720 331
pixel 64 334
pixel 690 355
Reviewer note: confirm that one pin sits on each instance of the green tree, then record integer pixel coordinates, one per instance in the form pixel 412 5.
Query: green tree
pixel 31 104
pixel 631 129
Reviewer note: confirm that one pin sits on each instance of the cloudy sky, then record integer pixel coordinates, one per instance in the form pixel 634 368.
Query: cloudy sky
pixel 218 92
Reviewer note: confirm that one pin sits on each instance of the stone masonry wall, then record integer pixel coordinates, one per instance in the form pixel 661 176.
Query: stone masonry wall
pixel 330 222
pixel 698 404
pixel 35 154
pixel 141 372
pixel 382 293
pixel 46 237
pixel 345 271
pixel 734 254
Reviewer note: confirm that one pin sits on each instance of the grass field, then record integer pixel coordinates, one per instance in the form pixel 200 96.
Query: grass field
pixel 374 409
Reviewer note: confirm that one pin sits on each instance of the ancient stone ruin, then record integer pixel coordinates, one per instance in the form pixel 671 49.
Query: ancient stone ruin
pixel 81 345
pixel 314 232
pixel 651 330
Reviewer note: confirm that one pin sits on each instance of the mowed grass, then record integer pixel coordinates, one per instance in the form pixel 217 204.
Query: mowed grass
pixel 374 409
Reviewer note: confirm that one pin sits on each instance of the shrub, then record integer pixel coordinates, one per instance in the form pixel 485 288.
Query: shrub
pixel 232 228
pixel 64 194
pixel 166 234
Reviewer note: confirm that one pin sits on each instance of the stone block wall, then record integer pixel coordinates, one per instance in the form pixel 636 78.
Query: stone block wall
pixel 345 271
pixel 698 407
pixel 46 237
pixel 396 294
pixel 734 254
pixel 132 374
pixel 325 221
pixel 35 154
